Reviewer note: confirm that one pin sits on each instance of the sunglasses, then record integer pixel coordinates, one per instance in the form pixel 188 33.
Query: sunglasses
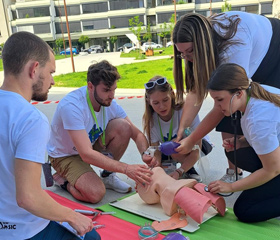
pixel 159 81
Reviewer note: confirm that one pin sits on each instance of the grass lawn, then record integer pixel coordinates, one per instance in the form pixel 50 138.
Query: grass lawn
pixel 132 75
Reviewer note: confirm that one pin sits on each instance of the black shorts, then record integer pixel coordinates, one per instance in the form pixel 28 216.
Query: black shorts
pixel 268 73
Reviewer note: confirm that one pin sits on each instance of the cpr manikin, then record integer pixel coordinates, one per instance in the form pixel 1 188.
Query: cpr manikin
pixel 186 194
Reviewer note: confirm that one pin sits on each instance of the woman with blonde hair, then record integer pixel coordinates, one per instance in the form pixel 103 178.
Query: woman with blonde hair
pixel 161 121
pixel 258 150
pixel 204 43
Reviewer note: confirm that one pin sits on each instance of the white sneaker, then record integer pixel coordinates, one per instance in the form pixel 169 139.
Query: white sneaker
pixel 229 177
pixel 116 184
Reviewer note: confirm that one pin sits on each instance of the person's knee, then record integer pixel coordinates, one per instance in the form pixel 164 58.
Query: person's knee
pixel 122 128
pixel 97 194
pixel 242 214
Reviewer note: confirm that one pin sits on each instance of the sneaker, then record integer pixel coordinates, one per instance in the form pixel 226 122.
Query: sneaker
pixel 229 177
pixel 60 181
pixel 116 184
pixel 192 174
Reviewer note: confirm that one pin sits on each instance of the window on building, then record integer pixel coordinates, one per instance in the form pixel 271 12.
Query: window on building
pixel 14 15
pixel 164 17
pixel 14 29
pixel 41 12
pixel 25 13
pixel 33 12
pixel 129 4
pixel 152 20
pixel 122 22
pixel 73 26
pixel 252 9
pixel 151 3
pixel 42 28
pixel 95 24
pixel 165 2
pixel 71 10
pixel 25 28
pixel 95 7
pixel 266 8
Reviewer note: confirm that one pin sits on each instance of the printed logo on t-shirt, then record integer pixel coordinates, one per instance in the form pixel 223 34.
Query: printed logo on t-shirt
pixel 94 133
pixel 166 138
pixel 7 226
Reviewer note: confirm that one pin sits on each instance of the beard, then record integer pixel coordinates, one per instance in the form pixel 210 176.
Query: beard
pixel 38 94
pixel 100 101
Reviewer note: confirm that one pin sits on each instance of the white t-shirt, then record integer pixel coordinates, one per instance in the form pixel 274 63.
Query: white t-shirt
pixel 165 126
pixel 73 113
pixel 261 124
pixel 254 32
pixel 24 133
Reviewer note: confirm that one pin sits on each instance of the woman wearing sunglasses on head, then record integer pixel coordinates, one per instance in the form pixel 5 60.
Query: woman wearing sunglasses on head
pixel 249 40
pixel 258 151
pixel 161 121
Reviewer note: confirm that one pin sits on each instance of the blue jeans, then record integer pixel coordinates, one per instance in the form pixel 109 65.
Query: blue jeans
pixel 56 232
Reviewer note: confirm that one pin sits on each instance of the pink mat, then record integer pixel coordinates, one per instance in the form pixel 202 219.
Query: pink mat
pixel 115 228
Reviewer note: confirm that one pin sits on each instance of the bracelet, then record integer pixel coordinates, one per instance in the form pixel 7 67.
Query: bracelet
pixel 180 171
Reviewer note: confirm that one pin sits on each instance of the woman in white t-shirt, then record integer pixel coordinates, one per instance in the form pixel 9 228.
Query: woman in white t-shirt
pixel 161 122
pixel 204 43
pixel 258 150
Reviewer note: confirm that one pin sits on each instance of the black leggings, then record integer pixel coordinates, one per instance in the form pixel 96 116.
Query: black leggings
pixel 260 203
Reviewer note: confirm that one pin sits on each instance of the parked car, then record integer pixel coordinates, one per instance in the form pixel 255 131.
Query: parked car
pixel 168 44
pixel 94 49
pixel 75 51
pixel 147 45
pixel 126 45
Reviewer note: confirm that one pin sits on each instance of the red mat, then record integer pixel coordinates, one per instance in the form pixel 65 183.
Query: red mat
pixel 115 228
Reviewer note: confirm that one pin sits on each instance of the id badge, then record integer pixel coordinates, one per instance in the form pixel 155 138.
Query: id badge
pixel 47 169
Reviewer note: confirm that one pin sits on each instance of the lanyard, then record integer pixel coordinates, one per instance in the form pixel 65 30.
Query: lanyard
pixel 170 129
pixel 95 119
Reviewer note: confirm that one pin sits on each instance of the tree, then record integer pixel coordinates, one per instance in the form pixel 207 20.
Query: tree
pixel 113 40
pixel 164 32
pixel 226 7
pixel 148 35
pixel 59 42
pixel 83 39
pixel 136 27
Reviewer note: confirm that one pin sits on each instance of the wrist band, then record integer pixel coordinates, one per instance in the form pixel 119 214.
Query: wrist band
pixel 180 171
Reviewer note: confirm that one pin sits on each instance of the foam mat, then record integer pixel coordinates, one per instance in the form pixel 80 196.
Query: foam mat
pixel 116 228
pixel 216 228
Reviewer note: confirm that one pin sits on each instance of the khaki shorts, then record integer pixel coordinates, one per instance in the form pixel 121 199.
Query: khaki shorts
pixel 70 167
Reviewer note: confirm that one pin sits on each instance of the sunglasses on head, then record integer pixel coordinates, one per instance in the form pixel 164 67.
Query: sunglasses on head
pixel 159 81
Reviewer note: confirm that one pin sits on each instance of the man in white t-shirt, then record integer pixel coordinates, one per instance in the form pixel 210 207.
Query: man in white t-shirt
pixel 90 128
pixel 25 208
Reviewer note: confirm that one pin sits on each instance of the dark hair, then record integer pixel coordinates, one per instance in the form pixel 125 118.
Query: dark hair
pixel 148 114
pixel 208 45
pixel 233 78
pixel 102 71
pixel 22 47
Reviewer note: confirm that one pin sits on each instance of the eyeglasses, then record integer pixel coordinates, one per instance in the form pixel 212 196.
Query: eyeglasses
pixel 159 81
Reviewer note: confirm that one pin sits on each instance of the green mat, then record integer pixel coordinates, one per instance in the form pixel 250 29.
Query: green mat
pixel 216 228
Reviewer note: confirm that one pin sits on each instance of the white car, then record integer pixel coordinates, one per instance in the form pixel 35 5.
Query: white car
pixel 168 44
pixel 153 45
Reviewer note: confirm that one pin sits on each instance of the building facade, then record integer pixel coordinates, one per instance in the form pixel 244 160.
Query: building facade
pixel 102 19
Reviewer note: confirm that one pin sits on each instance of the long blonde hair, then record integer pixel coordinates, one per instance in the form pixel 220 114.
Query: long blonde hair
pixel 233 78
pixel 148 114
pixel 208 46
